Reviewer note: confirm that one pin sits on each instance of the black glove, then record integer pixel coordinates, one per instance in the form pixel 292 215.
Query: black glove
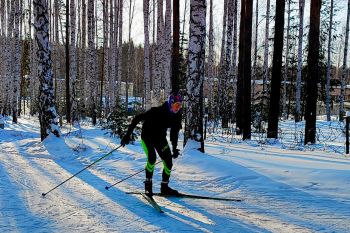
pixel 125 140
pixel 176 153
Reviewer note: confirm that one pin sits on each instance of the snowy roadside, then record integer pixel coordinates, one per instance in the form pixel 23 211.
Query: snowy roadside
pixel 283 191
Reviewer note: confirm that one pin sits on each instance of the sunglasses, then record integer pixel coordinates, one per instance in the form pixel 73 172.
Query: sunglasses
pixel 175 107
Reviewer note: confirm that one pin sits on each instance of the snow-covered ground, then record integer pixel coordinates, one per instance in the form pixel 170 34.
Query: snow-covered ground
pixel 282 190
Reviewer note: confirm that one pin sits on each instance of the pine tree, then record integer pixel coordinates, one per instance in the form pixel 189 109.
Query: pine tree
pixel 313 72
pixel 274 110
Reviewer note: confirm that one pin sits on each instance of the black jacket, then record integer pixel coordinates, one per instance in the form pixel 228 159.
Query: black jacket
pixel 156 121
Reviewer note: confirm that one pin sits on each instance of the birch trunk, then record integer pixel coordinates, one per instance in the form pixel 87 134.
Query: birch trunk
pixel 266 56
pixel 17 63
pixel 234 59
pixel 344 70
pixel 111 53
pixel 300 62
pixel 227 67
pixel 167 48
pixel 120 50
pixel 285 75
pixel 196 60
pixel 328 76
pixel 73 63
pixel 147 74
pixel 211 62
pixel 159 57
pixel 47 109
pixel 255 48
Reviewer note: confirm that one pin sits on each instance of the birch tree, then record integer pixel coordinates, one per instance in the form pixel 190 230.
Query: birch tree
pixel 17 63
pixel 120 42
pixel 285 74
pixel 211 61
pixel 313 72
pixel 344 70
pixel 300 62
pixel 159 55
pixel 47 109
pixel 147 74
pixel 255 71
pixel 227 67
pixel 73 62
pixel 328 75
pixel 196 60
pixel 167 48
pixel 266 57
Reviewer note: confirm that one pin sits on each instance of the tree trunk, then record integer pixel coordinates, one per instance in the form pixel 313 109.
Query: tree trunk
pixel 147 74
pixel 243 108
pixel 73 64
pixel 167 49
pixel 344 70
pixel 211 62
pixel 285 75
pixel 68 94
pixel 266 59
pixel 272 131
pixel 300 62
pixel 47 109
pixel 176 47
pixel 313 72
pixel 196 60
pixel 17 63
pixel 328 76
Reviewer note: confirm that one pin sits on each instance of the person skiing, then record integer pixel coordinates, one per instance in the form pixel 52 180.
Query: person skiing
pixel 156 121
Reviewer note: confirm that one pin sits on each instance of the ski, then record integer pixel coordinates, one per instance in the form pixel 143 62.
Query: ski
pixel 151 201
pixel 183 195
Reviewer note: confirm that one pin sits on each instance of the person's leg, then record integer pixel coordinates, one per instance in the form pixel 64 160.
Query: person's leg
pixel 164 152
pixel 150 152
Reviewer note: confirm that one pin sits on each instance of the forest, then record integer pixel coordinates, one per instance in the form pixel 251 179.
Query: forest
pixel 243 65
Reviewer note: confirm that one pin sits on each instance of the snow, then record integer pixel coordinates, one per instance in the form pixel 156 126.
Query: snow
pixel 282 190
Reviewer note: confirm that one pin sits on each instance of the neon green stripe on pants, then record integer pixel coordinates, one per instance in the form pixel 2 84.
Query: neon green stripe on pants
pixel 149 166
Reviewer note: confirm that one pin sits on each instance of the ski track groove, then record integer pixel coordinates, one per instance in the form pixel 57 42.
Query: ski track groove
pixel 259 211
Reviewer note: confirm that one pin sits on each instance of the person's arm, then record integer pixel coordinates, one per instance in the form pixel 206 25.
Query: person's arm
pixel 126 139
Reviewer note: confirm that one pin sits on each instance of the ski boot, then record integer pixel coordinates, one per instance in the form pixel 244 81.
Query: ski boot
pixel 148 187
pixel 166 190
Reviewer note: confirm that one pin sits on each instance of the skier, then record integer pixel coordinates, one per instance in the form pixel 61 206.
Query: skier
pixel 156 121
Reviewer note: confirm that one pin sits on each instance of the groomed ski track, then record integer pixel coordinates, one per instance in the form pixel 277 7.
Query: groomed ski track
pixel 29 168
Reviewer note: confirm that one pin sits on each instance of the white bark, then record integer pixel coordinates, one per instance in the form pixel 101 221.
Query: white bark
pixel 211 60
pixel 120 50
pixel 47 112
pixel 167 48
pixel 255 48
pixel 17 63
pixel 300 61
pixel 285 76
pixel 196 60
pixel 328 76
pixel 266 51
pixel 147 74
pixel 159 55
pixel 73 63
pixel 344 70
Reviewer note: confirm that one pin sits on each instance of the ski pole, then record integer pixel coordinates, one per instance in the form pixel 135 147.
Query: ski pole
pixel 44 194
pixel 107 187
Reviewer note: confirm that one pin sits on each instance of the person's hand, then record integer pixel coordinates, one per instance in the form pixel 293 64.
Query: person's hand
pixel 125 140
pixel 176 153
